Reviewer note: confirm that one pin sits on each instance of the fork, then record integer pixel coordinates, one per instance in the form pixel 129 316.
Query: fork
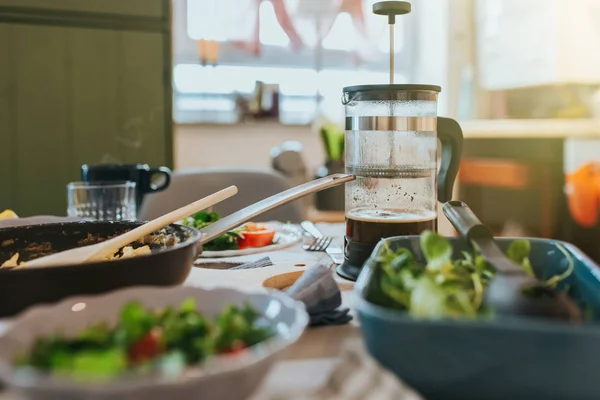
pixel 321 242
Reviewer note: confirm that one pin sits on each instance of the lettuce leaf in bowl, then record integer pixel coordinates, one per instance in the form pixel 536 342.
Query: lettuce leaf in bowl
pixel 445 286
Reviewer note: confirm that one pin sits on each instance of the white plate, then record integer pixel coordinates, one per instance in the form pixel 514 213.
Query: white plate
pixel 284 239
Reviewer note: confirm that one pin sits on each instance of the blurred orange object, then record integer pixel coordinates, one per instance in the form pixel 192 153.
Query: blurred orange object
pixel 583 194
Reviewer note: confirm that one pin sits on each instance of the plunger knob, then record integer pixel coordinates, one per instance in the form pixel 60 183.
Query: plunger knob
pixel 391 9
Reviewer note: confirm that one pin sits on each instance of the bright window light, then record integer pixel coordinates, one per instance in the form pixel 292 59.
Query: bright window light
pixel 384 43
pixel 215 104
pixel 192 78
pixel 342 34
pixel 226 79
pixel 270 32
pixel 203 19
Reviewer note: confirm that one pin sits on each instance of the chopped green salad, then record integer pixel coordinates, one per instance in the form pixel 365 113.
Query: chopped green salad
pixel 445 287
pixel 249 235
pixel 227 241
pixel 166 340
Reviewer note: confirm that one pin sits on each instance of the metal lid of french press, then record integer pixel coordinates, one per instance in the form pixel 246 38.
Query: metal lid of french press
pixel 392 88
pixel 390 92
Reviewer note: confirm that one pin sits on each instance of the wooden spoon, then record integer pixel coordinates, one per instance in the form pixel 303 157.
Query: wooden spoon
pixel 100 251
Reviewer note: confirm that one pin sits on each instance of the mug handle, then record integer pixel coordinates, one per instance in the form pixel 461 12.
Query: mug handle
pixel 162 171
pixel 451 137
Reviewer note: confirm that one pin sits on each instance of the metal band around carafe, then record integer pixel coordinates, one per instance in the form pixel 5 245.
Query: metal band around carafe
pixel 391 123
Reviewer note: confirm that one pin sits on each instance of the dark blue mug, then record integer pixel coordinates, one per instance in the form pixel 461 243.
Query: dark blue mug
pixel 143 176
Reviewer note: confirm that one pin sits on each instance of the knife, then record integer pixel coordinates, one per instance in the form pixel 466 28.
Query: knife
pixel 335 252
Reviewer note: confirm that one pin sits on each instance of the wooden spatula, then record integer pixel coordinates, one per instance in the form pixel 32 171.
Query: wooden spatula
pixel 100 251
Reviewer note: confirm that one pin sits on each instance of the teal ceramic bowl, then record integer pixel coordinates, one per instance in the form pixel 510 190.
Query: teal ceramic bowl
pixel 488 359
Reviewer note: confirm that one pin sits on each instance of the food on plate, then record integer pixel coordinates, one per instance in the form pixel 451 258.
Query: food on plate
pixel 446 287
pixel 143 246
pixel 8 214
pixel 12 262
pixel 129 251
pixel 227 241
pixel 125 252
pixel 164 340
pixel 255 235
pixel 249 235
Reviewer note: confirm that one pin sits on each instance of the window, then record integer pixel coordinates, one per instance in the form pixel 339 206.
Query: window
pixel 310 77
pixel 270 32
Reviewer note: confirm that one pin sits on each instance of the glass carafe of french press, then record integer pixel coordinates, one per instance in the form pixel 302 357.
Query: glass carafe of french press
pixel 392 134
pixel 391 146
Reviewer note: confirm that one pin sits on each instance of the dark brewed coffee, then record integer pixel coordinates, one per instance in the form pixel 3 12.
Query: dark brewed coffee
pixel 370 226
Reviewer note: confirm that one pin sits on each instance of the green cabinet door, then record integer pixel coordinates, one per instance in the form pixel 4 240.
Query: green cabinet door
pixel 94 63
pixel 41 126
pixel 145 112
pixel 6 157
pixel 76 96
pixel 145 8
pixel 118 98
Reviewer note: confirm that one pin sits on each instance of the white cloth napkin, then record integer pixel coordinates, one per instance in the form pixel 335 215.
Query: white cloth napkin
pixel 320 293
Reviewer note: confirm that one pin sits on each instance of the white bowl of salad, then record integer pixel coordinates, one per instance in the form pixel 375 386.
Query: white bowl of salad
pixel 150 343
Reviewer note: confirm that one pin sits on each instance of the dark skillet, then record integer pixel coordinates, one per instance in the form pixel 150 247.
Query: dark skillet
pixel 169 264
pixel 166 266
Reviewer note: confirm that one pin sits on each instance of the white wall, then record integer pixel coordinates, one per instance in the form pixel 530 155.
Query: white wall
pixel 431 66
pixel 546 41
pixel 241 145
pixel 579 152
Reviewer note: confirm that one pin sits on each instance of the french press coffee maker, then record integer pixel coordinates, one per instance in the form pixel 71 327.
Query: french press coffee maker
pixel 391 146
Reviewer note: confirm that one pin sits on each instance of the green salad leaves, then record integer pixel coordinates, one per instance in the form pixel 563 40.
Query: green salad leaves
pixel 445 287
pixel 227 241
pixel 166 340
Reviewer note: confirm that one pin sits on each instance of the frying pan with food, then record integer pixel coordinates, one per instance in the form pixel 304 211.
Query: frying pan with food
pixel 174 250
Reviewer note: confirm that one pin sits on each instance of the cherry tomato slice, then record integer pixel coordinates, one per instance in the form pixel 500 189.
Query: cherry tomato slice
pixel 148 347
pixel 237 347
pixel 260 238
pixel 255 226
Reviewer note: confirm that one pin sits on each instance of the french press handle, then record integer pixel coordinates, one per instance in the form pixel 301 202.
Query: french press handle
pixel 451 137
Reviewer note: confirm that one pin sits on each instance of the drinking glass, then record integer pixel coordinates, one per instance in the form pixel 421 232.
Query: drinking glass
pixel 102 201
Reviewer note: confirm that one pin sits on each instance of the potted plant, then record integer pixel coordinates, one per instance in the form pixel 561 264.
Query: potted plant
pixel 333 141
